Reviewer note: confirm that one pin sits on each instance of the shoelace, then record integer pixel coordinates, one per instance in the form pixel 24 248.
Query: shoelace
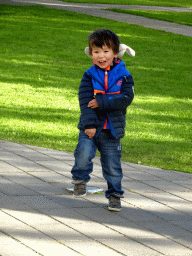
pixel 80 186
pixel 115 200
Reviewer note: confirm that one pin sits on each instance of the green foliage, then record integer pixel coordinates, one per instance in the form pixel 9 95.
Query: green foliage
pixel 184 18
pixel 42 63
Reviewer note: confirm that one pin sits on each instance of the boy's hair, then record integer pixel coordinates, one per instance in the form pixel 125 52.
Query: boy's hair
pixel 104 36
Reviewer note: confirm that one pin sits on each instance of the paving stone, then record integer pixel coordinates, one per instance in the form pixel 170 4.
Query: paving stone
pixel 178 235
pixel 57 166
pixel 97 172
pixel 175 211
pixel 32 217
pixel 139 175
pixel 9 156
pixel 38 241
pixel 184 208
pixel 129 247
pixel 33 155
pixel 7 168
pixel 185 195
pixel 8 221
pixel 136 214
pixel 184 224
pixel 73 239
pixel 126 214
pixel 11 188
pixel 127 168
pixel 134 230
pixel 88 248
pixel 62 232
pixel 11 247
pixel 65 215
pixel 32 237
pixel 165 246
pixel 166 185
pixel 111 238
pixel 63 186
pixel 136 186
pixel 101 215
pixel 168 229
pixel 50 152
pixel 174 202
pixel 12 202
pixel 21 177
pixel 143 203
pixel 96 230
pixel 169 214
pixel 11 146
pixel 60 155
pixel 166 198
pixel 104 234
pixel 97 161
pixel 69 201
pixel 164 174
pixel 25 152
pixel 39 202
pixel 23 164
pixel 39 149
pixel 46 189
pixel 51 176
pixel 183 237
pixel 185 183
pixel 5 181
pixel 68 235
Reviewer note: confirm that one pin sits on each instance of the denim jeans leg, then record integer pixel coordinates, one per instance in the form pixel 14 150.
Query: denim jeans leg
pixel 110 149
pixel 84 153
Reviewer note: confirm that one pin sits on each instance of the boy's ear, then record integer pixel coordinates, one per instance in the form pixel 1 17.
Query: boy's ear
pixel 122 49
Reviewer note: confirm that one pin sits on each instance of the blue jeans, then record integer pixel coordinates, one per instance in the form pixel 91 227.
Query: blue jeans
pixel 110 151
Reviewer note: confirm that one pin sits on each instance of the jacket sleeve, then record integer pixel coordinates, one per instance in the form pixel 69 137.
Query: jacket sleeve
pixel 120 101
pixel 88 115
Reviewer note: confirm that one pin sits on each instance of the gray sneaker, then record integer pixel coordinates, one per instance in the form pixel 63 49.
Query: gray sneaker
pixel 80 189
pixel 114 203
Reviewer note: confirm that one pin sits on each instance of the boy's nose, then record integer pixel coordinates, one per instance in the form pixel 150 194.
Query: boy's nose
pixel 100 54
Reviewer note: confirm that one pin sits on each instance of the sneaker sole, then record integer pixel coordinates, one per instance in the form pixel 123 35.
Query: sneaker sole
pixel 114 209
pixel 79 196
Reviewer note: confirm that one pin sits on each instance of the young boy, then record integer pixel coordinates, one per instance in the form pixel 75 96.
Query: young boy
pixel 106 90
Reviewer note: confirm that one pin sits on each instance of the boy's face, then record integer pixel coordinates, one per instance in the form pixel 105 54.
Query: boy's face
pixel 103 57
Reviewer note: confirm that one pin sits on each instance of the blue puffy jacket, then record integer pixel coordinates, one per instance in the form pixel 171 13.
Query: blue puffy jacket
pixel 112 103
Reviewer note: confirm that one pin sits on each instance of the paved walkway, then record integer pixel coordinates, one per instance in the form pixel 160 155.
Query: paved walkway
pixel 38 214
pixel 99 11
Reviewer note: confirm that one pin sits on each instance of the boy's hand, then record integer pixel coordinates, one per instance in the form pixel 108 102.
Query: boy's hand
pixel 93 104
pixel 90 132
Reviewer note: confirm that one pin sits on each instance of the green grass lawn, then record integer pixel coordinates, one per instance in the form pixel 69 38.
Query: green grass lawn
pixel 169 3
pixel 42 63
pixel 184 18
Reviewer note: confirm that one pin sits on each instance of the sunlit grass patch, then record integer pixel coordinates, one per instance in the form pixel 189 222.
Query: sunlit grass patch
pixel 177 3
pixel 184 18
pixel 161 131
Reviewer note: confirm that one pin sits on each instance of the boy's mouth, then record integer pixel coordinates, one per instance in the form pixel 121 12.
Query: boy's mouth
pixel 102 62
